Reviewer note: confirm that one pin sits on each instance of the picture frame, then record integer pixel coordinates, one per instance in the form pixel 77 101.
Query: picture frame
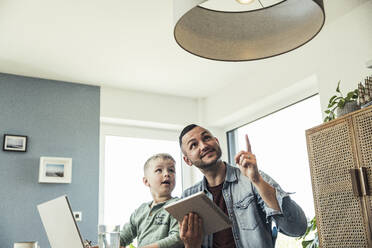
pixel 55 170
pixel 30 244
pixel 15 143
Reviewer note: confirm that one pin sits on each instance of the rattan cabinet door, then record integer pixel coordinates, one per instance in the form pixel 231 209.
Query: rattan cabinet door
pixel 332 153
pixel 362 122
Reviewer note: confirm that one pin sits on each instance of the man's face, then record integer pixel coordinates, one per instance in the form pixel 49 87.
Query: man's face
pixel 200 148
pixel 160 177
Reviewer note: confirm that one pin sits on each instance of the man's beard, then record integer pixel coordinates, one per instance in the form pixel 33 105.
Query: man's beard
pixel 205 166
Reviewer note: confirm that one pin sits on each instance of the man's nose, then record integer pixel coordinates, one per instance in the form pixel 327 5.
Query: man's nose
pixel 203 146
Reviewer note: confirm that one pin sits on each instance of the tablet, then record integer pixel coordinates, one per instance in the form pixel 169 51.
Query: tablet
pixel 214 219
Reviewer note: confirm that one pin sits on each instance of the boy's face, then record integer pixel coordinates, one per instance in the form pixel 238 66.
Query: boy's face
pixel 160 177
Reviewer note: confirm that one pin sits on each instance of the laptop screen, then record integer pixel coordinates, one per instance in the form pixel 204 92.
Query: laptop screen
pixel 59 223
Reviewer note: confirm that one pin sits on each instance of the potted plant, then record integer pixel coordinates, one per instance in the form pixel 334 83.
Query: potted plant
pixel 311 230
pixel 342 105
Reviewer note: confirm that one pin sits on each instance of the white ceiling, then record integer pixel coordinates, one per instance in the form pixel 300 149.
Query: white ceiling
pixel 119 43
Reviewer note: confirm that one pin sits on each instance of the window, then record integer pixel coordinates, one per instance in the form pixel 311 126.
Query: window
pixel 124 190
pixel 279 143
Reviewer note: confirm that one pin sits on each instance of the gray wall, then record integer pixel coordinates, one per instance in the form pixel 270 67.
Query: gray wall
pixel 60 120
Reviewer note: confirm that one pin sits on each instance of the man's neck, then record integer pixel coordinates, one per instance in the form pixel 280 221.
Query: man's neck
pixel 216 175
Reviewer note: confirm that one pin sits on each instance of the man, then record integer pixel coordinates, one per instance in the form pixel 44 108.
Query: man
pixel 250 198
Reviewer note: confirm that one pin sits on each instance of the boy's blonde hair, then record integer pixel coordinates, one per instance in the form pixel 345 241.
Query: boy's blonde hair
pixel 162 156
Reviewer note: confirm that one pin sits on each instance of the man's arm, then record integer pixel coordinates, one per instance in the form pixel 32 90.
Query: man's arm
pixel 276 203
pixel 247 163
pixel 291 219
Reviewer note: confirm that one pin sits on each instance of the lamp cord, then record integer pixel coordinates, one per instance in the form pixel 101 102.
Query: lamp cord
pixel 261 3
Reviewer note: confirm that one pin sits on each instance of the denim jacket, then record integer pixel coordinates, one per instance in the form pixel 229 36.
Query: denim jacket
pixel 250 216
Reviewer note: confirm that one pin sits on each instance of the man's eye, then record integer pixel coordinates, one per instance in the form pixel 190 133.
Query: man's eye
pixel 207 137
pixel 158 170
pixel 193 145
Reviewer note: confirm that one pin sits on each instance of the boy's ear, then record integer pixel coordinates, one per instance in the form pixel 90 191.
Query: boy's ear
pixel 187 161
pixel 145 181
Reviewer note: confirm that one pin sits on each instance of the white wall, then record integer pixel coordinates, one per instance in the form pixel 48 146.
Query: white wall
pixel 145 107
pixel 138 114
pixel 153 116
pixel 346 49
pixel 339 52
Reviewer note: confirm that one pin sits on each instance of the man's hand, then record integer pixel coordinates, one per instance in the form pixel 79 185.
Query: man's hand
pixel 191 231
pixel 247 163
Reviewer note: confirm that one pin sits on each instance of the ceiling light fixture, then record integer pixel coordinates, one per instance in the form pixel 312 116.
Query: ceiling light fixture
pixel 262 29
pixel 244 1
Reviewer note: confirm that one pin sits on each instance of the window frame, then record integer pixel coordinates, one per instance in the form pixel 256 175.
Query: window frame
pixel 231 137
pixel 107 129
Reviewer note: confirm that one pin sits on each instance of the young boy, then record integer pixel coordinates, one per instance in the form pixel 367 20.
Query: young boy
pixel 153 226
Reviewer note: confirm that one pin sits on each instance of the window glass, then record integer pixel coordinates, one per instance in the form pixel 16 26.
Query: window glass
pixel 279 143
pixel 124 190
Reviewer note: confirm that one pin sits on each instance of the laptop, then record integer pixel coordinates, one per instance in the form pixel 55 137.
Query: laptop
pixel 59 223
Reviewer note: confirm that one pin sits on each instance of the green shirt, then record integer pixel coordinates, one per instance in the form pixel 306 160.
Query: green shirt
pixel 152 225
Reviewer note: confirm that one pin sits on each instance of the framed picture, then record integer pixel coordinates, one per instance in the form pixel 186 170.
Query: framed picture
pixel 31 244
pixel 15 143
pixel 55 170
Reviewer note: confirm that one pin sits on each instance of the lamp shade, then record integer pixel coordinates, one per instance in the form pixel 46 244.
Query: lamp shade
pixel 246 35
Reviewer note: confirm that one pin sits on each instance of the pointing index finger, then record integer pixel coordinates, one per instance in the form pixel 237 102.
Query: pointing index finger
pixel 249 149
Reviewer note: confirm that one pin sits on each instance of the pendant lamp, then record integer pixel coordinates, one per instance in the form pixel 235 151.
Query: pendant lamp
pixel 230 30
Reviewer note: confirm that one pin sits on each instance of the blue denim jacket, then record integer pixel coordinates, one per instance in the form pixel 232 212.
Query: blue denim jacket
pixel 251 217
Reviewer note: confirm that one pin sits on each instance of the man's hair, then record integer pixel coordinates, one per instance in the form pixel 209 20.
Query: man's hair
pixel 162 156
pixel 185 130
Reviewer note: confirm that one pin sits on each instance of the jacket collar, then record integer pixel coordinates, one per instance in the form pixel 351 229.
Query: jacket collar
pixel 230 173
pixel 230 176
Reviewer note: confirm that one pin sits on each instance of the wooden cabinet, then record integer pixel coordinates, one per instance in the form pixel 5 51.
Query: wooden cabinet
pixel 338 151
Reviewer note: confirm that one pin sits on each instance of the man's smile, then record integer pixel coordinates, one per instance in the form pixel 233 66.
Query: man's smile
pixel 207 153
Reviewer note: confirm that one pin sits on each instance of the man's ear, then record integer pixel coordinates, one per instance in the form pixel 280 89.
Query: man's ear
pixel 145 181
pixel 217 140
pixel 187 161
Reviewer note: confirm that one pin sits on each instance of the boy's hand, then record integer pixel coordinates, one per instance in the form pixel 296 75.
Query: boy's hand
pixel 247 163
pixel 191 230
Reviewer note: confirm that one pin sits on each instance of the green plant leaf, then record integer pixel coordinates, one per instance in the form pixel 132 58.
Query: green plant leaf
pixel 332 98
pixel 350 95
pixel 313 227
pixel 331 104
pixel 308 229
pixel 327 111
pixel 332 115
pixel 338 87
pixel 335 101
pixel 341 103
pixel 306 243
